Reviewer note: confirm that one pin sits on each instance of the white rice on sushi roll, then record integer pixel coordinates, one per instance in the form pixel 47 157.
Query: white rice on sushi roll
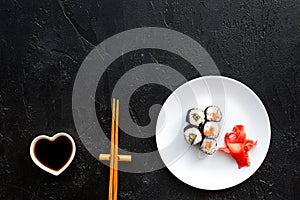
pixel 209 146
pixel 213 113
pixel 211 130
pixel 195 117
pixel 193 135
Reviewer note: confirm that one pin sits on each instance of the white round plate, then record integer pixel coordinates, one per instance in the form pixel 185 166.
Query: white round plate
pixel 239 105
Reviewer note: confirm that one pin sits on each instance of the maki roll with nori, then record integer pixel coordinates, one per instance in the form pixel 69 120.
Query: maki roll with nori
pixel 208 146
pixel 192 135
pixel 195 117
pixel 203 129
pixel 211 130
pixel 213 113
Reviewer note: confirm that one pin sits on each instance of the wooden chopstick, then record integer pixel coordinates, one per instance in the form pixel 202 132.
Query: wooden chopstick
pixel 113 172
pixel 111 164
pixel 116 153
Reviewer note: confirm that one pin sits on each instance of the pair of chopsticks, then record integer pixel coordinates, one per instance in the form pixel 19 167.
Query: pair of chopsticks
pixel 114 157
pixel 113 173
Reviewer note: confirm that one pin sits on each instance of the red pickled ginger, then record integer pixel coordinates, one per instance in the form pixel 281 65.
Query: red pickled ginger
pixel 238 146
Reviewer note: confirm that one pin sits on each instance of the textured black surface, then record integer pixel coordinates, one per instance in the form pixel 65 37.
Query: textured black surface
pixel 44 42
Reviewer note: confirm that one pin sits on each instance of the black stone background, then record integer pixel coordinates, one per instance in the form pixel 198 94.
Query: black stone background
pixel 44 42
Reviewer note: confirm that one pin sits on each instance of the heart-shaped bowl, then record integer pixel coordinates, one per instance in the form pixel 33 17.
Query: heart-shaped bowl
pixel 45 150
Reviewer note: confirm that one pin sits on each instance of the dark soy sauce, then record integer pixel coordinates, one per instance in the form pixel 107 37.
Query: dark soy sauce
pixel 53 154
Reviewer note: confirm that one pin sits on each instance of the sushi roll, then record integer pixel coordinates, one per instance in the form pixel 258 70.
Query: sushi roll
pixel 192 135
pixel 208 146
pixel 211 130
pixel 195 117
pixel 213 113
